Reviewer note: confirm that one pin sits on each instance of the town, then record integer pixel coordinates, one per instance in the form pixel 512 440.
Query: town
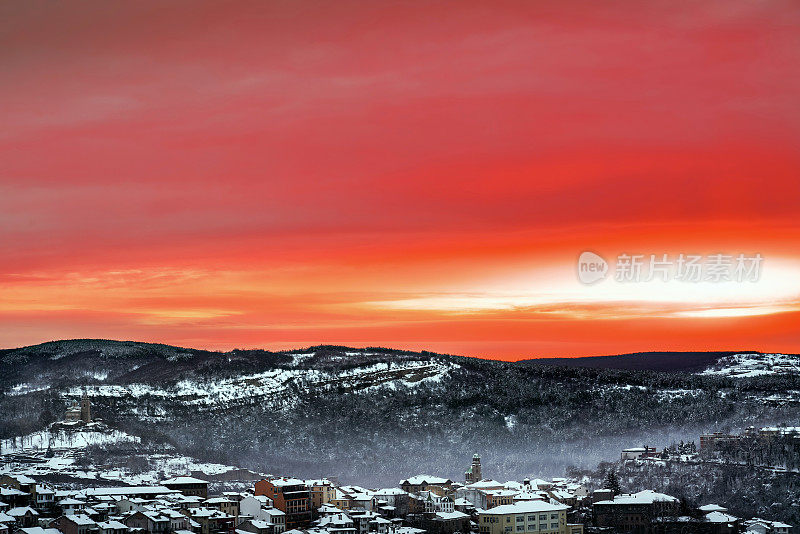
pixel 400 267
pixel 419 504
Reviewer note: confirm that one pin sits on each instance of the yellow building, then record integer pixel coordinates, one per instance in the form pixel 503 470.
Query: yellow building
pixel 527 517
pixel 341 500
pixel 499 497
pixel 322 492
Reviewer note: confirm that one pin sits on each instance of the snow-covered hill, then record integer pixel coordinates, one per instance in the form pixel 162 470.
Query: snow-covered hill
pixel 749 365
pixel 64 440
pixel 70 453
pixel 372 414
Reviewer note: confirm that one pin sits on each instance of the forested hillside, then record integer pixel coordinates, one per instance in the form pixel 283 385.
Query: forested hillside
pixel 746 490
pixel 371 415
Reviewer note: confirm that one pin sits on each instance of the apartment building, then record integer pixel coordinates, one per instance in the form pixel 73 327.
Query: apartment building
pixel 322 492
pixel 527 517
pixel 291 496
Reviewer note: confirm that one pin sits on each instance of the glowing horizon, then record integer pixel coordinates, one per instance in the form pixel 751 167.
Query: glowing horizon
pixel 279 175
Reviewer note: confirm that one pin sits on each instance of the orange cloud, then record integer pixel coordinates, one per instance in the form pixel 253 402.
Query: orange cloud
pixel 279 175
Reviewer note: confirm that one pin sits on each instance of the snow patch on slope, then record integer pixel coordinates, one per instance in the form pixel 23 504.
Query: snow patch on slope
pixel 24 388
pixel 68 446
pixel 275 385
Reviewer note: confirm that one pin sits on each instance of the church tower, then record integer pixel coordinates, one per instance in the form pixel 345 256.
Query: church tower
pixel 86 408
pixel 476 467
pixel 473 474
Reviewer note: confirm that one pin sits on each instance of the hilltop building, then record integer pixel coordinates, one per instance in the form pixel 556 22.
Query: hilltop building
pixel 79 411
pixel 635 512
pixel 636 453
pixel 710 441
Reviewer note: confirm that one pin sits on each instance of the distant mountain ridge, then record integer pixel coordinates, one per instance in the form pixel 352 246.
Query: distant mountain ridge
pixel 666 361
pixel 673 361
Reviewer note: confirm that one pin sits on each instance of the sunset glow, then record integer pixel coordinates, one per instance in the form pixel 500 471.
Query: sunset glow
pixel 285 174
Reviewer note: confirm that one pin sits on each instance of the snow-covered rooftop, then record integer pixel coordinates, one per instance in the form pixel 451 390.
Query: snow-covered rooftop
pixel 642 497
pixel 40 530
pixel 720 517
pixel 525 507
pixel 126 490
pixel 448 516
pixel 184 480
pixel 485 483
pixel 81 519
pixel 425 479
pixel 712 508
pixel 281 482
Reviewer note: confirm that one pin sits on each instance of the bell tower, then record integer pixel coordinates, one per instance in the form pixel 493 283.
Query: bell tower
pixel 476 467
pixel 86 408
pixel 473 474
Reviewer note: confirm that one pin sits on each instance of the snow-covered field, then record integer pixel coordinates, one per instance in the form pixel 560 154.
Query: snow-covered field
pixel 751 365
pixel 27 455
pixel 63 440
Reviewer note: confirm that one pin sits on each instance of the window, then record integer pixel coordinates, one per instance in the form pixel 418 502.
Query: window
pixel 520 519
pixel 508 529
pixel 554 525
pixel 553 516
pixel 520 528
pixel 531 526
pixel 531 518
pixel 542 517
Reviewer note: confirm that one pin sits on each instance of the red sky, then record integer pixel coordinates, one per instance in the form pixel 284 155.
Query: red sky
pixel 406 174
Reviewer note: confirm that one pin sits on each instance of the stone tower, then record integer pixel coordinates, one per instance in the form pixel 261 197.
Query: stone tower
pixel 473 474
pixel 476 467
pixel 86 408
